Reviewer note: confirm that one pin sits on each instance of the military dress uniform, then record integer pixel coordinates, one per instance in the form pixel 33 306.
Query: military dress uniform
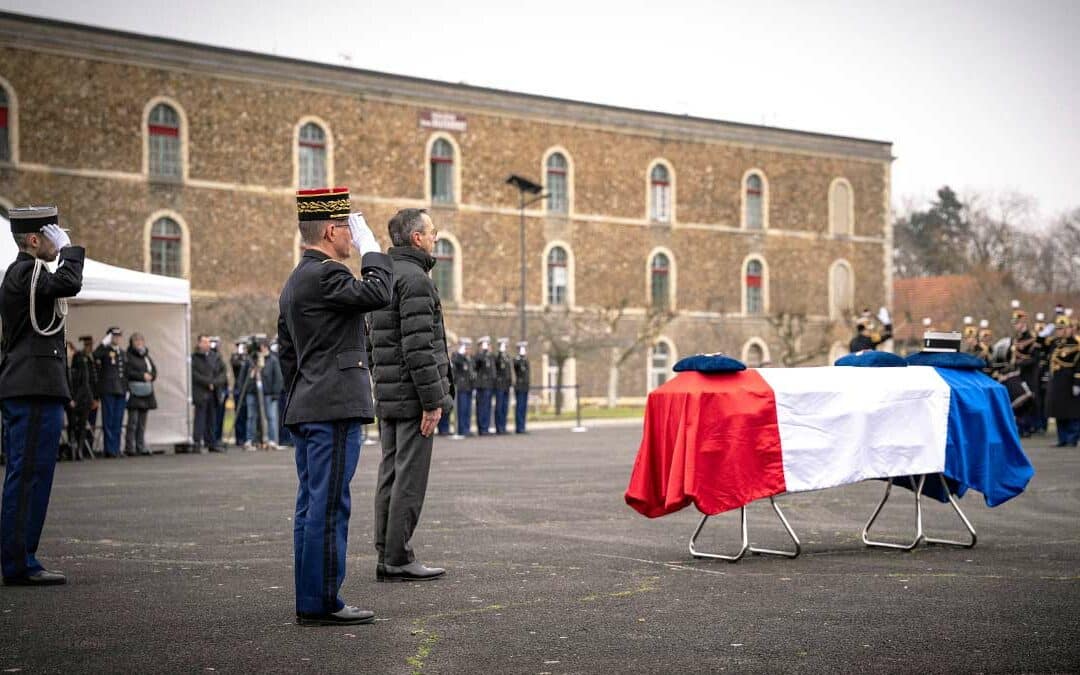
pixel 503 380
pixel 112 391
pixel 521 387
pixel 464 381
pixel 1063 390
pixel 323 351
pixel 1024 358
pixel 484 367
pixel 34 390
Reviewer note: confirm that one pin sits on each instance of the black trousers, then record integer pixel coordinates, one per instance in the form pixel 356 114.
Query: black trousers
pixel 206 422
pixel 78 432
pixel 402 484
pixel 135 441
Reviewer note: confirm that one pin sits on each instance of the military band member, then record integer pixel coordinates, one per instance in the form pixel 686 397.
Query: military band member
pixel 865 337
pixel 464 382
pixel 112 388
pixel 33 383
pixel 1024 357
pixel 503 379
pixel 323 352
pixel 1063 391
pixel 971 336
pixel 484 367
pixel 521 387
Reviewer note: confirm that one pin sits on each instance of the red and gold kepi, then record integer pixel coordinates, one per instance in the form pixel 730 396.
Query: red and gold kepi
pixel 323 203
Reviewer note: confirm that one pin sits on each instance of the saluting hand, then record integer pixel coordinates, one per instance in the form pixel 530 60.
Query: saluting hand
pixel 363 239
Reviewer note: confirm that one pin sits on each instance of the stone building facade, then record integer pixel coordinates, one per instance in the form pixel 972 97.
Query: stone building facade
pixel 181 158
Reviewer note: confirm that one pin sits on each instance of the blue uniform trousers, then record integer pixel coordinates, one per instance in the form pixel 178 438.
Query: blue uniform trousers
pixel 483 410
pixel 444 424
pixel 502 409
pixel 464 412
pixel 326 457
pixel 521 408
pixel 32 428
pixel 112 422
pixel 1068 431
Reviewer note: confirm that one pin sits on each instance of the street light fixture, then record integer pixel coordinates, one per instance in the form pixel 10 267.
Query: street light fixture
pixel 524 185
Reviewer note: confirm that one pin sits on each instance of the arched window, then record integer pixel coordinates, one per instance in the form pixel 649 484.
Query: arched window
pixel 163 129
pixel 660 281
pixel 840 207
pixel 754 355
pixel 558 183
pixel 558 276
pixel 841 290
pixel 166 248
pixel 660 191
pixel 755 287
pixel 311 154
pixel 443 272
pixel 660 362
pixel 5 126
pixel 755 198
pixel 442 171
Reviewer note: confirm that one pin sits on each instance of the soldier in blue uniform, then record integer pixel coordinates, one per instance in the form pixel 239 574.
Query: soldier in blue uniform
pixel 112 389
pixel 521 387
pixel 323 359
pixel 464 381
pixel 484 367
pixel 33 384
pixel 503 379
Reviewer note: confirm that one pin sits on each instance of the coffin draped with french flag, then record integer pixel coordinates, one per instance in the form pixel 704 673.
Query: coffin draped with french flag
pixel 720 441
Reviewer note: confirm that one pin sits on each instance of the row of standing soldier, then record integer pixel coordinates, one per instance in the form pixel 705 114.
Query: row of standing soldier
pixel 488 377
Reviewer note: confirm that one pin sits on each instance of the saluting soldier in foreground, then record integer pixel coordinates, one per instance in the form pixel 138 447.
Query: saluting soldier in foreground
pixel 323 351
pixel 33 383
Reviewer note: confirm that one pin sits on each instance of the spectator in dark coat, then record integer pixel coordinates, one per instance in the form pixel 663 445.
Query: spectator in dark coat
pixel 140 372
pixel 83 376
pixel 208 384
pixel 413 390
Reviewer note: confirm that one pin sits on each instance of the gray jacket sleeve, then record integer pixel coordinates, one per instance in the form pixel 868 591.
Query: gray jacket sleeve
pixel 417 312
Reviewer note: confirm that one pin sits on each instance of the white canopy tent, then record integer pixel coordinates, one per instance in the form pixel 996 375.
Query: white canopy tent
pixel 158 307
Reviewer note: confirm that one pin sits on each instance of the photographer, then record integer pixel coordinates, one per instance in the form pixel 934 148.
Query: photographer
pixel 261 383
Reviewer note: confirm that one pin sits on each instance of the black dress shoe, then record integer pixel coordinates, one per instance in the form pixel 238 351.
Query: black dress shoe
pixel 414 571
pixel 42 578
pixel 346 616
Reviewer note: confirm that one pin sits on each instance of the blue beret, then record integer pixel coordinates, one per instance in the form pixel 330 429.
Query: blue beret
pixel 957 360
pixel 868 358
pixel 710 363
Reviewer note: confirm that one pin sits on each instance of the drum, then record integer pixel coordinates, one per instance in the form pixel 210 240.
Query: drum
pixel 1019 392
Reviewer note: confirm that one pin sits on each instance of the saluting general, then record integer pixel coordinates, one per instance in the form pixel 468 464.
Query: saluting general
pixel 323 355
pixel 33 383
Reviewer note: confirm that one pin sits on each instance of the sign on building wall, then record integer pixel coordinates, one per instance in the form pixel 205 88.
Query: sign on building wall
pixel 430 119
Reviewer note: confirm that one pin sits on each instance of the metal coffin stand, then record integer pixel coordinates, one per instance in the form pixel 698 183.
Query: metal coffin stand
pixel 917 485
pixel 746 540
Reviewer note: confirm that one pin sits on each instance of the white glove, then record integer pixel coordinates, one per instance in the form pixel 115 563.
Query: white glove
pixel 107 340
pixel 56 236
pixel 1076 390
pixel 883 317
pixel 363 239
pixel 1048 331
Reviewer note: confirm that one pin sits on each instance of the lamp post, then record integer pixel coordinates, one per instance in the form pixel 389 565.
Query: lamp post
pixel 524 185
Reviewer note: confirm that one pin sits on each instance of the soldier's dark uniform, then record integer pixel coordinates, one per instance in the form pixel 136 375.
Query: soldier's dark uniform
pixel 1063 390
pixel 521 388
pixel 865 339
pixel 1025 358
pixel 112 392
pixel 323 350
pixel 33 393
pixel 464 381
pixel 484 367
pixel 503 380
pixel 83 392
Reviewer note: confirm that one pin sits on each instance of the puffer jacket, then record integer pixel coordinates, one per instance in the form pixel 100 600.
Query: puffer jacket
pixel 408 355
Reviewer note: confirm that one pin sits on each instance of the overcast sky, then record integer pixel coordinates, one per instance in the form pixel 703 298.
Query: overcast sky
pixel 982 96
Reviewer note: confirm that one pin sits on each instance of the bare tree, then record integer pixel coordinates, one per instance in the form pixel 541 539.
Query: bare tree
pixel 569 334
pixel 624 345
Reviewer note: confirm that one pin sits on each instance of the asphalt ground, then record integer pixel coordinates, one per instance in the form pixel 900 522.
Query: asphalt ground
pixel 184 564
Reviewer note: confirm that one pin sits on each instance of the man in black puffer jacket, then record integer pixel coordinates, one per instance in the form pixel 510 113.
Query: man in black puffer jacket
pixel 413 390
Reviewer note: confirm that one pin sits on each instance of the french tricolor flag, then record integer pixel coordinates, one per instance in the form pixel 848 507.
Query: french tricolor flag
pixel 721 441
